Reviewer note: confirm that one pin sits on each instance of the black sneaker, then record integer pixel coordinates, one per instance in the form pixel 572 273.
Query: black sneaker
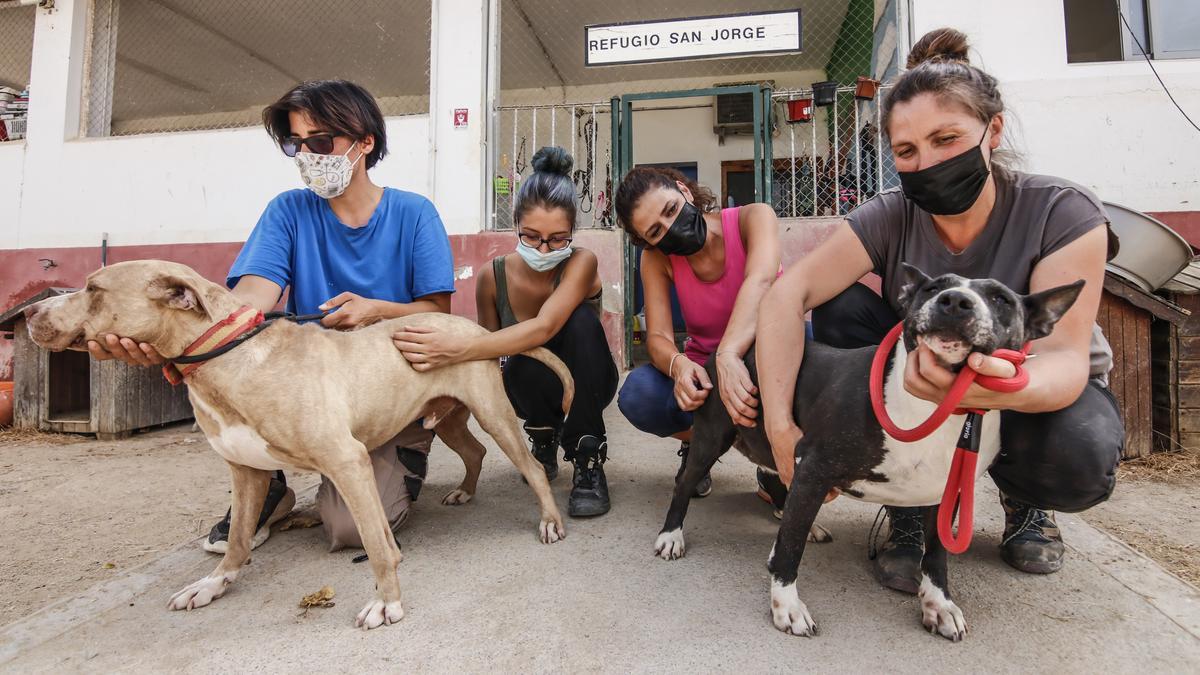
pixel 279 503
pixel 898 561
pixel 544 446
pixel 704 487
pixel 771 491
pixel 589 486
pixel 1032 541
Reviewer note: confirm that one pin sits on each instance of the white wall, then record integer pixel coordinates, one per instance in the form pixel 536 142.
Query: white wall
pixel 1108 126
pixel 59 190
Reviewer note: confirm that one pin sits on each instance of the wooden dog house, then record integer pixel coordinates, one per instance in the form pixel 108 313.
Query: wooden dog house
pixel 71 392
pixel 1128 316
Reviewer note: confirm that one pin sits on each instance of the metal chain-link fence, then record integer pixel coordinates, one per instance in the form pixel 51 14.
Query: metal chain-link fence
pixel 806 182
pixel 16 49
pixel 175 65
pixel 542 69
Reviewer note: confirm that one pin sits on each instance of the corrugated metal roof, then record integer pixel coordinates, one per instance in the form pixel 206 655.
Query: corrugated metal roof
pixel 1187 281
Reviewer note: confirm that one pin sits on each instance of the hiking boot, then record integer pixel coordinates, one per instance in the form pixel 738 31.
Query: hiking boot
pixel 771 491
pixel 898 561
pixel 589 487
pixel 544 446
pixel 704 487
pixel 1032 542
pixel 279 503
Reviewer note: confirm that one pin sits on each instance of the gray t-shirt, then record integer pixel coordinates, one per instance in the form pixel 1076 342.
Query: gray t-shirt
pixel 1034 216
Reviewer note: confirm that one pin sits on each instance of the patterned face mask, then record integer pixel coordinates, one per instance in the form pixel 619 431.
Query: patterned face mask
pixel 327 175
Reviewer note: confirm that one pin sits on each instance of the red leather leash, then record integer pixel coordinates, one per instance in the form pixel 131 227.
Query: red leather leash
pixel 960 484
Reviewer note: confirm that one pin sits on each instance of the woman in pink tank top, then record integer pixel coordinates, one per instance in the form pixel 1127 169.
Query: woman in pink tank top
pixel 721 263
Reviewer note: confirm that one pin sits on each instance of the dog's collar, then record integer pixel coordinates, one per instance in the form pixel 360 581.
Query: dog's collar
pixel 220 338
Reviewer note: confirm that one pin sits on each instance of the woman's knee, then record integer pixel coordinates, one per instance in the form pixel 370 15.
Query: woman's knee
pixel 1066 460
pixel 856 317
pixel 646 400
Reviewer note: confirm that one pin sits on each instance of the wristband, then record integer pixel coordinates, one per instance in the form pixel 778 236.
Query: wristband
pixel 671 365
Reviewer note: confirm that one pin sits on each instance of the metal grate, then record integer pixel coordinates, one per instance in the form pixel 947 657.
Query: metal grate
pixel 176 65
pixel 542 69
pixel 16 49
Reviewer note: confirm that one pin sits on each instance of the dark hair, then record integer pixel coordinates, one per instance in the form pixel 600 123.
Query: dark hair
pixel 549 187
pixel 938 64
pixel 343 107
pixel 645 178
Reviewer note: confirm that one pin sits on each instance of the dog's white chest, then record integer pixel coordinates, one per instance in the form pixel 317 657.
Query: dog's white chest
pixel 916 472
pixel 237 443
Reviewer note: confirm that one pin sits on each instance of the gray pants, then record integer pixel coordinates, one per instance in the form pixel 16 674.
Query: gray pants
pixel 399 468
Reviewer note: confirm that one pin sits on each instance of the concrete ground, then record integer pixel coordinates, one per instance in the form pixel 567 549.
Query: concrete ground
pixel 481 594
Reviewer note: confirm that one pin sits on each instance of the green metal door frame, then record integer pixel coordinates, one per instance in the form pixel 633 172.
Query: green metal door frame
pixel 622 160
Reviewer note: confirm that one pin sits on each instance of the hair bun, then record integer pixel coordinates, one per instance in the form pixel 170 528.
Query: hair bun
pixel 940 45
pixel 554 160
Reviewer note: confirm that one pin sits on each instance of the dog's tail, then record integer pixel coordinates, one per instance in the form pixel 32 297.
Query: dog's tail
pixel 554 363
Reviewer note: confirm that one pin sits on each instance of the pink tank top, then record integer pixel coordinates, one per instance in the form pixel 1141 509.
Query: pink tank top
pixel 707 305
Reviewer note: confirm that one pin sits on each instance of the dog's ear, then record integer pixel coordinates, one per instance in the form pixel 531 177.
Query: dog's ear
pixel 912 279
pixel 178 293
pixel 1044 309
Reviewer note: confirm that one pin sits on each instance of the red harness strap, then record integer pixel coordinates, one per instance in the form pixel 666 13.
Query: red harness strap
pixel 220 334
pixel 960 484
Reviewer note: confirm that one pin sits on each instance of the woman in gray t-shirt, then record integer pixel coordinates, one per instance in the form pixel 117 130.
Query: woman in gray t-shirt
pixel 961 211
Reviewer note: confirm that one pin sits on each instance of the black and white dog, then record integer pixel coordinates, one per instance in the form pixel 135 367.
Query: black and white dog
pixel 844 447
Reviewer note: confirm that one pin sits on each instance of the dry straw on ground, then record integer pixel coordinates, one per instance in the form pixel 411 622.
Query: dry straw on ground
pixel 1177 467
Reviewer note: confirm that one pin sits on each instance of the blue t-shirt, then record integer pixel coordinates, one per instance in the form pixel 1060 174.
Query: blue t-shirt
pixel 401 254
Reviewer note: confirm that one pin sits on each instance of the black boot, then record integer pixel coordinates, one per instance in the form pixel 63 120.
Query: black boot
pixel 1032 542
pixel 704 487
pixel 544 442
pixel 898 561
pixel 589 487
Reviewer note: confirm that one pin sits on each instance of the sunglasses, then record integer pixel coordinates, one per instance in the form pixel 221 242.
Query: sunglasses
pixel 534 241
pixel 321 144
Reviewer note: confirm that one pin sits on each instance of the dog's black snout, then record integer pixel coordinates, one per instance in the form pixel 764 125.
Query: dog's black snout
pixel 956 303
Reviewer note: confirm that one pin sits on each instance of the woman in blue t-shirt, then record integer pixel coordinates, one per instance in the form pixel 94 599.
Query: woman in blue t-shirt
pixel 341 244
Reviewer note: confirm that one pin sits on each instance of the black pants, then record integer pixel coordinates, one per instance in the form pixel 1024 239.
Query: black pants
pixel 1064 460
pixel 536 392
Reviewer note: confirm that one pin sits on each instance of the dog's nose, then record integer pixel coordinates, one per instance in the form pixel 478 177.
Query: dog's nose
pixel 955 303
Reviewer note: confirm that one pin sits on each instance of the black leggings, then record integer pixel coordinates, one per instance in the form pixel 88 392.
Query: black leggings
pixel 1064 460
pixel 536 392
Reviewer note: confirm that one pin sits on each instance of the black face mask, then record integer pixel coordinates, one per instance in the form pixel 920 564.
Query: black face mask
pixel 949 188
pixel 687 234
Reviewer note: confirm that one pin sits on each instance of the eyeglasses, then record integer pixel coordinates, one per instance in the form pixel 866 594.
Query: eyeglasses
pixel 531 240
pixel 321 144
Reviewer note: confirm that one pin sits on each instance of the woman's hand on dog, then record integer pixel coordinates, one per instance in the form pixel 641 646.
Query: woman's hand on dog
pixel 124 350
pixel 691 384
pixel 426 348
pixel 783 440
pixel 737 390
pixel 353 311
pixel 926 379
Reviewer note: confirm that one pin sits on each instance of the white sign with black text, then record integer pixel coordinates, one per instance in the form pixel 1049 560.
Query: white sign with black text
pixel 748 34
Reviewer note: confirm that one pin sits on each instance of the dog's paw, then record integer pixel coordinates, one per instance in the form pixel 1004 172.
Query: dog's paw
pixel 379 613
pixel 551 530
pixel 457 497
pixel 939 614
pixel 819 535
pixel 788 612
pixel 200 593
pixel 669 545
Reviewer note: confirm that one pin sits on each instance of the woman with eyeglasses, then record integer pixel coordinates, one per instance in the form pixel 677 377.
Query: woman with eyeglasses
pixel 544 294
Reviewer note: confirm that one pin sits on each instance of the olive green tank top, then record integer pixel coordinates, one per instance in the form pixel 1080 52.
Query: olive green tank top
pixel 504 308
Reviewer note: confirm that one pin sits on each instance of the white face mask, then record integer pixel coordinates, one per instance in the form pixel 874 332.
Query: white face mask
pixel 539 261
pixel 327 175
